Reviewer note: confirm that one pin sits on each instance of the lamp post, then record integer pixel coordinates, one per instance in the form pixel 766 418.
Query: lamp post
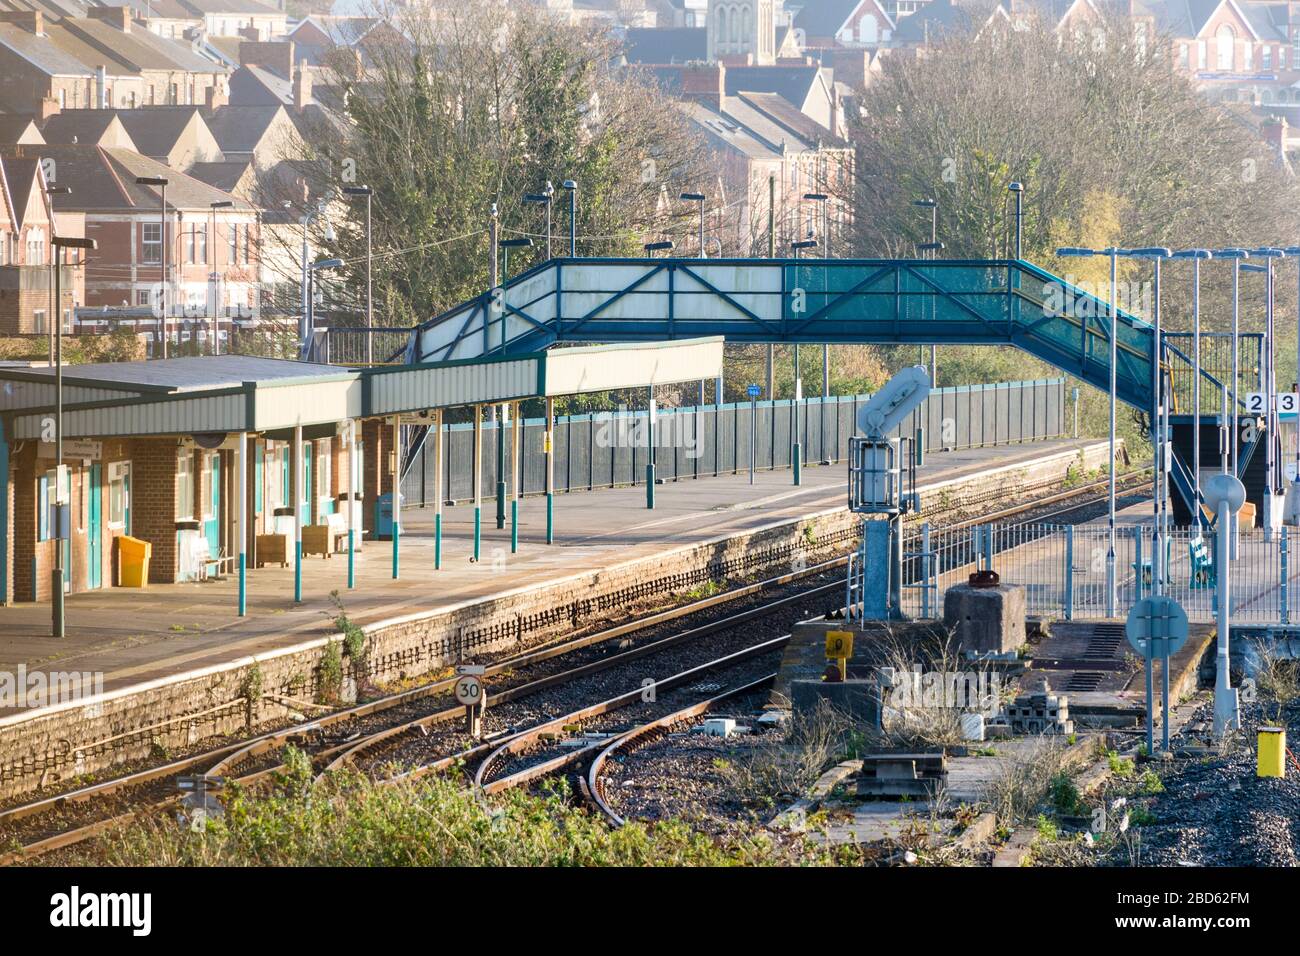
pixel 1112 582
pixel 931 250
pixel 1236 255
pixel 317 266
pixel 54 306
pixel 824 199
pixel 652 247
pixel 213 276
pixel 572 188
pixel 544 198
pixel 370 315
pixel 1272 510
pixel 1018 190
pixel 698 198
pixel 796 446
pixel 1294 490
pixel 933 246
pixel 160 183
pixel 1196 255
pixel 62 487
pixel 521 242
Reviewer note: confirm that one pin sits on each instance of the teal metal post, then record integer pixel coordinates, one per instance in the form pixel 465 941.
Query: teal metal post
pixel 501 466
pixel 397 489
pixel 548 446
pixel 351 502
pixel 650 452
pixel 478 479
pixel 242 526
pixel 796 448
pixel 437 489
pixel 516 476
pixel 298 492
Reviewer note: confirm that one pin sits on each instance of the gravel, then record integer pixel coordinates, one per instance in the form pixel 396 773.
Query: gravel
pixel 1216 812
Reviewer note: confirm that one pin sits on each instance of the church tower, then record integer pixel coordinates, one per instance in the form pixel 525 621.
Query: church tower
pixel 742 31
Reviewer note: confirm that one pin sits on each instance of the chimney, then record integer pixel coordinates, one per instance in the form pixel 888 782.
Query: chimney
pixel 276 57
pixel 30 20
pixel 101 87
pixel 706 82
pixel 301 90
pixel 119 17
pixel 49 107
pixel 216 96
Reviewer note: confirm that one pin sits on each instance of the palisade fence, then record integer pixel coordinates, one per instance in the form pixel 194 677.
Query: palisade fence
pixel 1063 569
pixel 608 449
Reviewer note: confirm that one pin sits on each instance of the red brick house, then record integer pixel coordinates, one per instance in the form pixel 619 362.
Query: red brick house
pixel 27 226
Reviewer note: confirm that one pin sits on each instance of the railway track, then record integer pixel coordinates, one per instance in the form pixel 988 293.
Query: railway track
pixel 348 736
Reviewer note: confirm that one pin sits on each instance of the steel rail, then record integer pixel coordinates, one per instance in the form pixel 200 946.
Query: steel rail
pixel 648 733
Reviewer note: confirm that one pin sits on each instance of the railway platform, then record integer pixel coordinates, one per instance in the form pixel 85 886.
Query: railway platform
pixel 137 638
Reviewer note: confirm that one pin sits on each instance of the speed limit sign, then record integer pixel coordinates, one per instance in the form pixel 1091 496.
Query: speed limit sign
pixel 469 690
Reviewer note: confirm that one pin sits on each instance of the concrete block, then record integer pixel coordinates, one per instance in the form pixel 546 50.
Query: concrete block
pixel 972 726
pixel 857 699
pixel 719 727
pixel 986 619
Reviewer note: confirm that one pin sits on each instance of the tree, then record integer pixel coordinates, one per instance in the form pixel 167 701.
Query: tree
pixel 458 107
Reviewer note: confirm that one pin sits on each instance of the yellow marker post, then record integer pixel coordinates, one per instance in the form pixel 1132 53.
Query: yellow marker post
pixel 839 648
pixel 1271 761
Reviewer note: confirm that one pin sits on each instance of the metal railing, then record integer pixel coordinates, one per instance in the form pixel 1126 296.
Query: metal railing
pixel 607 449
pixel 1063 569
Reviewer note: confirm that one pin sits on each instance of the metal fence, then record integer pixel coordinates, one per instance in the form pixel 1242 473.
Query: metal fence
pixel 1063 569
pixel 608 449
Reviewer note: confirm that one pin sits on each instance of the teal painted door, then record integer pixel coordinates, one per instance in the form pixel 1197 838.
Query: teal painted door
pixel 95 528
pixel 212 513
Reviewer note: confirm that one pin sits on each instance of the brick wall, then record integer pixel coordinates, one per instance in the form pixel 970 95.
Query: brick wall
pixel 153 503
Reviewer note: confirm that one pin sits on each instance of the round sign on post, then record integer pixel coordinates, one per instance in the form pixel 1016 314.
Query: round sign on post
pixel 1224 487
pixel 1156 627
pixel 469 690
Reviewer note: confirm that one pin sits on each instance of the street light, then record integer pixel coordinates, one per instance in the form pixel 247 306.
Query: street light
pixel 699 198
pixel 318 266
pixel 796 447
pixel 1271 464
pixel 1112 583
pixel 212 275
pixel 824 199
pixel 1018 190
pixel 160 182
pixel 932 247
pixel 572 187
pixel 545 198
pixel 370 315
pixel 1236 255
pixel 521 242
pixel 54 306
pixel 61 486
pixel 1196 255
pixel 652 247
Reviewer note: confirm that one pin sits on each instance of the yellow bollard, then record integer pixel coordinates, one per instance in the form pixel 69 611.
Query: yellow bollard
pixel 1272 752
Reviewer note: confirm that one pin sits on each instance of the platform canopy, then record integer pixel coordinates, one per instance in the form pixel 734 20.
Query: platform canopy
pixel 236 393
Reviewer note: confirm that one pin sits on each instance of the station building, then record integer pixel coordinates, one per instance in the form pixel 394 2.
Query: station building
pixel 153 450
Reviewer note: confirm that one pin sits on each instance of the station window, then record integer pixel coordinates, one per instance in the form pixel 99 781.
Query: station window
pixel 44 497
pixel 119 495
pixel 184 485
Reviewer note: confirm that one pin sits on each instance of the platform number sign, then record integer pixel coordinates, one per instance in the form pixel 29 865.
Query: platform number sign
pixel 469 690
pixel 1256 403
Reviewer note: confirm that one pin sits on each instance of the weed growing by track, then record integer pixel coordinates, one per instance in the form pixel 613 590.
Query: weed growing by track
pixel 431 822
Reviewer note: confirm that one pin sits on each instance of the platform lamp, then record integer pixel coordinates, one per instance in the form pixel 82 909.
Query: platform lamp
pixel 1018 190
pixel 824 199
pixel 931 250
pixel 54 306
pixel 1293 512
pixel 519 242
pixel 160 182
pixel 62 485
pixel 652 247
pixel 698 198
pixel 212 275
pixel 571 186
pixel 1159 418
pixel 1272 465
pixel 796 446
pixel 544 198
pixel 369 193
pixel 1196 255
pixel 1113 253
pixel 1236 255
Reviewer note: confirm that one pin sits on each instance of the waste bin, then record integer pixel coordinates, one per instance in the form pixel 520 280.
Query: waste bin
pixel 133 555
pixel 384 516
